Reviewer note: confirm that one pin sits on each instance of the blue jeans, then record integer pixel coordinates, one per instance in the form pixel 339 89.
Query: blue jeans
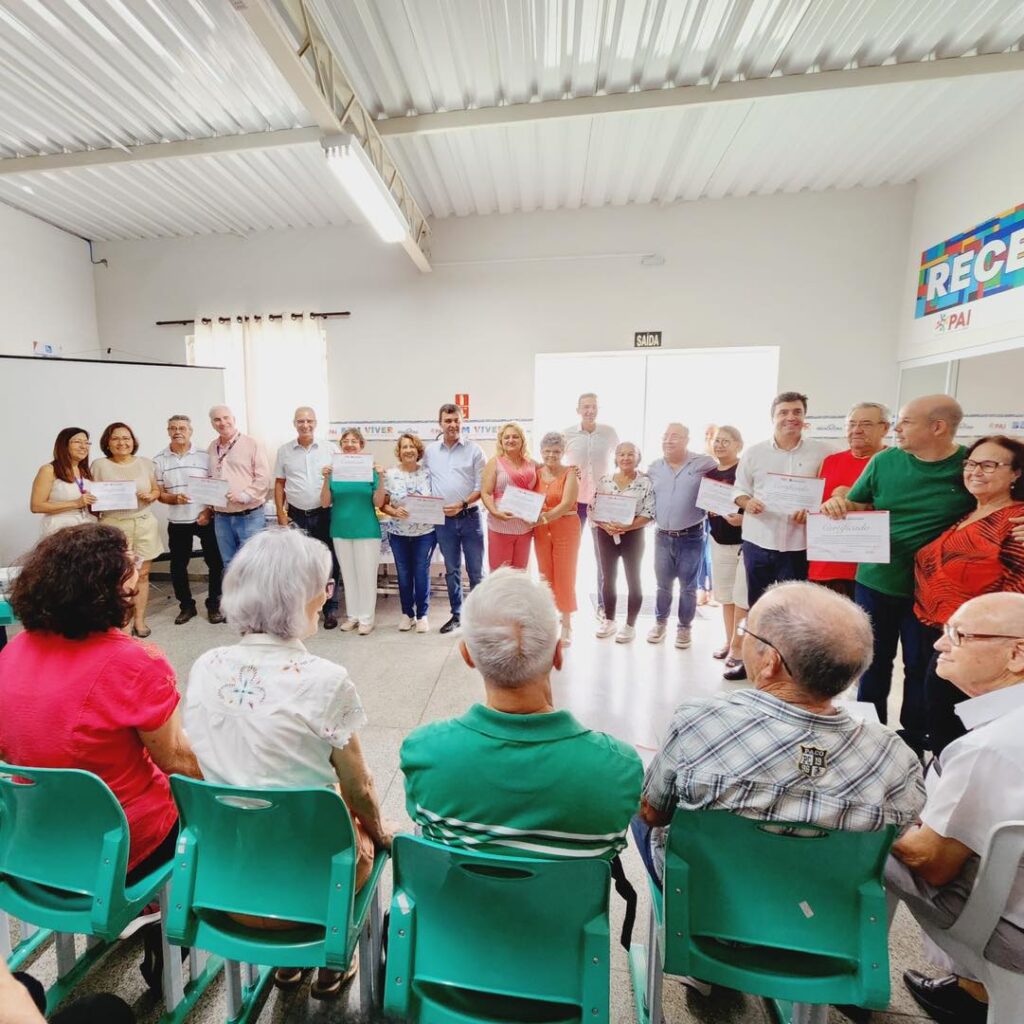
pixel 765 567
pixel 677 558
pixel 233 531
pixel 317 523
pixel 582 511
pixel 412 563
pixel 642 837
pixel 893 622
pixel 461 535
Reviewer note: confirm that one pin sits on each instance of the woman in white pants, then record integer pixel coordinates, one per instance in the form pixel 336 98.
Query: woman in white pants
pixel 356 535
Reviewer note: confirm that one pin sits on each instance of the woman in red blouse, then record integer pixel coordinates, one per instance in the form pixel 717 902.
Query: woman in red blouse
pixel 975 556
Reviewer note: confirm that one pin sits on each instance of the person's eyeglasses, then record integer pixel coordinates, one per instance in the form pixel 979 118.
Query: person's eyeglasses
pixel 329 589
pixel 956 636
pixel 743 631
pixel 987 466
pixel 863 424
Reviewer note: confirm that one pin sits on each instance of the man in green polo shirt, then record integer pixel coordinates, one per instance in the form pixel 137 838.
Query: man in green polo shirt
pixel 513 775
pixel 920 482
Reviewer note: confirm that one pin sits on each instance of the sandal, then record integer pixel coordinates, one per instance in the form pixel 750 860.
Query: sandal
pixel 328 984
pixel 732 662
pixel 288 978
pixel 720 653
pixel 141 634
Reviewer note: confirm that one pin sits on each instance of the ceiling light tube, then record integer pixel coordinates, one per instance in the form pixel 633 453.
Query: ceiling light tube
pixel 365 187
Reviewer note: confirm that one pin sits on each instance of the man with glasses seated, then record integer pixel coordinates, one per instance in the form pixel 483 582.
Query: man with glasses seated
pixel 976 784
pixel 784 751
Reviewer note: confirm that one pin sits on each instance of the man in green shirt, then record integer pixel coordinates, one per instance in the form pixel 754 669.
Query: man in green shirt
pixel 920 483
pixel 514 776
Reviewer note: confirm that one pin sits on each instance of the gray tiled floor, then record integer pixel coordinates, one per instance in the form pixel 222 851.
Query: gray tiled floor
pixel 405 679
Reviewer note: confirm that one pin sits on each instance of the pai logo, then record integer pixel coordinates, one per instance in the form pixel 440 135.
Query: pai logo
pixel 953 321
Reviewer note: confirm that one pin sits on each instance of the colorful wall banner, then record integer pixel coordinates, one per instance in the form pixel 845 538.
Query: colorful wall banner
pixel 986 260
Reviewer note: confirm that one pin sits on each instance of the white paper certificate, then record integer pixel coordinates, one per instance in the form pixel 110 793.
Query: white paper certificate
pixel 522 504
pixel 613 508
pixel 715 496
pixel 422 509
pixel 783 493
pixel 860 537
pixel 354 469
pixel 113 495
pixel 204 490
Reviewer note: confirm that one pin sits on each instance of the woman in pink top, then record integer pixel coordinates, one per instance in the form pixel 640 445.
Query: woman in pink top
pixel 508 537
pixel 76 692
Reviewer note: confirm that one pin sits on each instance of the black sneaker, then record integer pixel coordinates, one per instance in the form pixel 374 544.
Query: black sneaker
pixel 451 625
pixel 185 614
pixel 215 616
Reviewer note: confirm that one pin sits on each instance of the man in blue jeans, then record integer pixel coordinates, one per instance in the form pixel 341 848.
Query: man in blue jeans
pixel 679 532
pixel 456 465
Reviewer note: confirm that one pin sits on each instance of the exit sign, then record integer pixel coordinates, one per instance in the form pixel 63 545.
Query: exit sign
pixel 647 339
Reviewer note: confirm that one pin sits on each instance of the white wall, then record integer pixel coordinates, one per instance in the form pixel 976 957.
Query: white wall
pixel 817 274
pixel 46 288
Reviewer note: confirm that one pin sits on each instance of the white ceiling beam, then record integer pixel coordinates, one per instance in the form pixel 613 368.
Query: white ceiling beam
pixel 161 151
pixel 705 95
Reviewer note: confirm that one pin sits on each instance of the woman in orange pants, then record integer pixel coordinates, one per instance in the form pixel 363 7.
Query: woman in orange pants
pixel 556 537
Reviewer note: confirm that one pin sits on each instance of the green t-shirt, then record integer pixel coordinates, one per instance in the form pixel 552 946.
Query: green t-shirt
pixel 521 785
pixel 922 498
pixel 353 516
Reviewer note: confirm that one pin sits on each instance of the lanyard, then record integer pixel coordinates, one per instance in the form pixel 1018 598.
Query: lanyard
pixel 221 458
pixel 81 484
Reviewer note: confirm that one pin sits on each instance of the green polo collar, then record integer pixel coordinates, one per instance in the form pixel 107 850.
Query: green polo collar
pixel 552 725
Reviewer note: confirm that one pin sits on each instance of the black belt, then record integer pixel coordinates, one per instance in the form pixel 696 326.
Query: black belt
pixel 244 512
pixel 682 533
pixel 468 510
pixel 308 511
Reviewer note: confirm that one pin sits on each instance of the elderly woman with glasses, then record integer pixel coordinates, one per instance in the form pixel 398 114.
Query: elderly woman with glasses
pixel 556 537
pixel 978 555
pixel 267 713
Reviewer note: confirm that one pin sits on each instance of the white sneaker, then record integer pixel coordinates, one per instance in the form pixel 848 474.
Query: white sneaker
pixel 365 628
pixel 423 625
pixel 607 628
pixel 657 633
pixel 683 638
pixel 348 625
pixel 626 635
pixel 404 624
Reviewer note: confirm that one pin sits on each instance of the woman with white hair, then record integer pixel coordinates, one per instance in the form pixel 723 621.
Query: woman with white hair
pixel 556 537
pixel 267 713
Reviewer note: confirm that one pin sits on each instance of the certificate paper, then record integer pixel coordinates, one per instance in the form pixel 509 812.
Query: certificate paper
pixel 715 496
pixel 783 493
pixel 204 490
pixel 860 537
pixel 354 469
pixel 522 504
pixel 422 509
pixel 613 508
pixel 113 495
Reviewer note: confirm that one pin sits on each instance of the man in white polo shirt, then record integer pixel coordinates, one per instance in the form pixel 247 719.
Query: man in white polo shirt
pixel 175 466
pixel 298 483
pixel 976 784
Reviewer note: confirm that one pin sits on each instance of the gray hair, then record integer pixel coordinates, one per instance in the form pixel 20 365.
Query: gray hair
pixel 553 439
pixel 510 627
pixel 180 416
pixel 733 432
pixel 270 581
pixel 825 638
pixel 586 394
pixel 883 410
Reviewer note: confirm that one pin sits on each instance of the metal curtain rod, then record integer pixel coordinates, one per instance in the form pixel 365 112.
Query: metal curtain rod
pixel 240 319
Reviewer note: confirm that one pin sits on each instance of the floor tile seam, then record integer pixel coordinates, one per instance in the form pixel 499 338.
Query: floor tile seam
pixel 437 682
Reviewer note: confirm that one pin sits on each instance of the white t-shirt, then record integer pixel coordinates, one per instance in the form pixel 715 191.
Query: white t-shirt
pixel 981 783
pixel 266 712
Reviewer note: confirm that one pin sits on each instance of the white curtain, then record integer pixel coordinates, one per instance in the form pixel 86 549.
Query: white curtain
pixel 271 368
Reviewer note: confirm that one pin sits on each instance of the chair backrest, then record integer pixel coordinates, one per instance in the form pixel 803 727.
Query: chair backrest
pixel 782 885
pixel 63 828
pixel 511 927
pixel 267 852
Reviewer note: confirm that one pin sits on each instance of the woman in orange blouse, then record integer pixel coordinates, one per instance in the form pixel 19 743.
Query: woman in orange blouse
pixel 976 556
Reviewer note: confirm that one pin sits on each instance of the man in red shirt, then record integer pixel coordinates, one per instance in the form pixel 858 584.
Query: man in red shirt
pixel 866 425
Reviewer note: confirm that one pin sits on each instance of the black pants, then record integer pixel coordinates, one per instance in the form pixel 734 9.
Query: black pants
pixel 179 538
pixel 941 698
pixel 631 551
pixel 161 855
pixel 317 523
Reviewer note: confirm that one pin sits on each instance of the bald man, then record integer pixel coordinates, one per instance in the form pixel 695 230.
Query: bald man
pixel 783 751
pixel 978 785
pixel 920 482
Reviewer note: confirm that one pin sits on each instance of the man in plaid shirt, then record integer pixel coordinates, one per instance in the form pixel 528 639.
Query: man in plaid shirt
pixel 783 751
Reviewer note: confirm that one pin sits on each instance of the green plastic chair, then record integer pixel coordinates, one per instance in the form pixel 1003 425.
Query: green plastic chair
pixel 281 853
pixel 475 937
pixel 787 911
pixel 63 855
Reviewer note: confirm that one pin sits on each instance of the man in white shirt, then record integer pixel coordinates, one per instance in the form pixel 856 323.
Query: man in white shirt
pixel 589 448
pixel 298 483
pixel 775 542
pixel 175 466
pixel 976 784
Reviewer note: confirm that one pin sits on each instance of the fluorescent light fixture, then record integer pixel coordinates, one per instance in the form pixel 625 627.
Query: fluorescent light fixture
pixel 365 187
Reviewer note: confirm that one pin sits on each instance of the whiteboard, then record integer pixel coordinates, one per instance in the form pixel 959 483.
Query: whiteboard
pixel 41 396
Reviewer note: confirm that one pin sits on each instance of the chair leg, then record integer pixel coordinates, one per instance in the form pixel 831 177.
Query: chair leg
pixel 809 1013
pixel 233 988
pixel 655 975
pixel 173 979
pixel 64 942
pixel 370 940
pixel 5 937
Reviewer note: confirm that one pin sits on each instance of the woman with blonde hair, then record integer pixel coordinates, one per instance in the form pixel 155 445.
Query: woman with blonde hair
pixel 508 537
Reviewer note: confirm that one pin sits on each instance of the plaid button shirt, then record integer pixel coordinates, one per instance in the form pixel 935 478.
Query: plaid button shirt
pixel 758 756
